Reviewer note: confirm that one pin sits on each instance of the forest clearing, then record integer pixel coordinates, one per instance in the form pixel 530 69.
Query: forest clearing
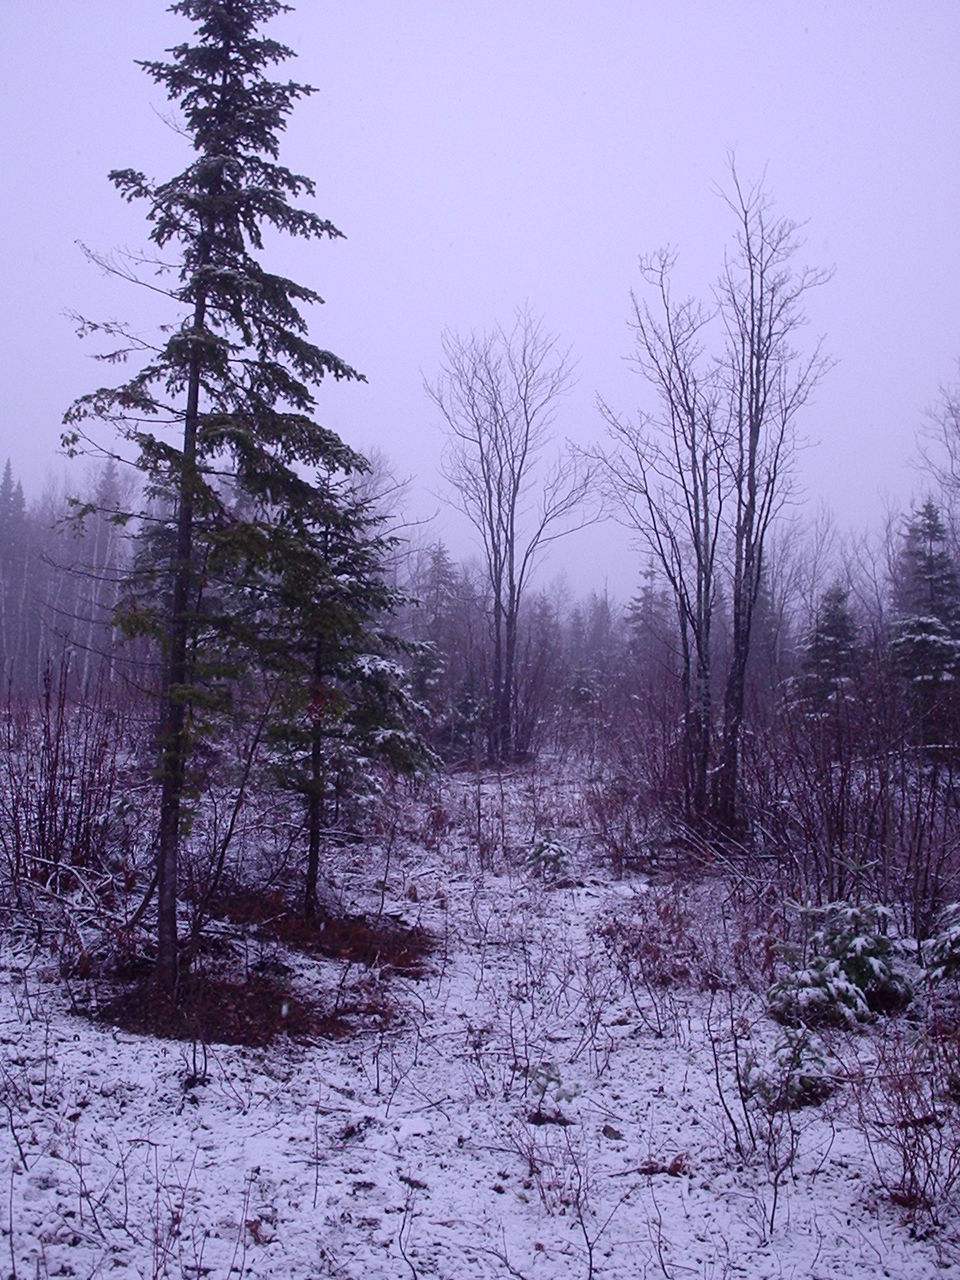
pixel 577 1076
pixel 370 912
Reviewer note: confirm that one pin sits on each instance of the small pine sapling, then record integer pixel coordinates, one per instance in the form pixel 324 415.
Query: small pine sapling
pixel 850 976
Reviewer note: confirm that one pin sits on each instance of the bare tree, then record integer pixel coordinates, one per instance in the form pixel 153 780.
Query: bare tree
pixel 766 382
pixel 666 477
pixel 939 447
pixel 702 478
pixel 498 395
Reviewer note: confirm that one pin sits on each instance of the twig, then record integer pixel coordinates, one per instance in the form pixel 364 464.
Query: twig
pixel 13 1256
pixel 405 1226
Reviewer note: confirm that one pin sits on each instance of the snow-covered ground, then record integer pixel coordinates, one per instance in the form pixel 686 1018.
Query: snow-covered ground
pixel 520 1114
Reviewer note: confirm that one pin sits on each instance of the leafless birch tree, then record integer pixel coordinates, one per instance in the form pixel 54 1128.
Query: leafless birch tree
pixel 498 395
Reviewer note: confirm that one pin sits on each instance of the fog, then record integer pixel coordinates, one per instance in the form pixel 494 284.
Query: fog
pixel 481 158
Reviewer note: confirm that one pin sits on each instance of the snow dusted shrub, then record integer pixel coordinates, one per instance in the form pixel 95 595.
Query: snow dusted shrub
pixel 436 825
pixel 818 995
pixel 658 938
pixel 800 1072
pixel 850 975
pixel 759 1097
pixel 65 809
pixel 544 1152
pixel 943 950
pixel 548 858
pixel 546 1082
pixel 685 934
pixel 551 796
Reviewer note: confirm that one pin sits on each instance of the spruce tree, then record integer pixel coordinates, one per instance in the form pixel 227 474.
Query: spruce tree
pixel 830 654
pixel 925 645
pixel 221 414
pixel 344 704
pixel 7 544
pixel 15 601
pixel 928 581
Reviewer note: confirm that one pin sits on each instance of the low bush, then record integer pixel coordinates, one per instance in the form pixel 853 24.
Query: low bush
pixel 849 976
pixel 800 1072
pixel 943 950
pixel 548 858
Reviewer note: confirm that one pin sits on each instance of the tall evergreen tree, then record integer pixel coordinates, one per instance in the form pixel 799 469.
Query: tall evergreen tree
pixel 926 640
pixel 14 596
pixel 222 413
pixel 651 628
pixel 928 582
pixel 830 654
pixel 447 621
pixel 433 588
pixel 6 563
pixel 344 700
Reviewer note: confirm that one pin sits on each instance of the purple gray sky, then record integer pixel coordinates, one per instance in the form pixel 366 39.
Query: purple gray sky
pixel 483 156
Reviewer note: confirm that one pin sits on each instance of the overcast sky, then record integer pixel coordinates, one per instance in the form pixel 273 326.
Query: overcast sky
pixel 482 156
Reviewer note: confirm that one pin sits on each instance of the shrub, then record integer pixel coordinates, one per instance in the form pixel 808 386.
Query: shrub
pixel 656 940
pixel 943 951
pixel 548 858
pixel 798 1073
pixel 907 1112
pixel 850 976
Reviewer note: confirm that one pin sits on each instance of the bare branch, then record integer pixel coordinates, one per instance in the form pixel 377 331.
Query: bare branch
pixel 703 475
pixel 498 395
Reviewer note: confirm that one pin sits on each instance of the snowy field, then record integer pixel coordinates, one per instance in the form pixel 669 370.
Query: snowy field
pixel 531 1106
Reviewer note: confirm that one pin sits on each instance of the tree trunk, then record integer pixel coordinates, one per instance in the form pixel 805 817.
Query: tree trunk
pixel 703 713
pixel 495 723
pixel 728 779
pixel 173 730
pixel 506 716
pixel 314 800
